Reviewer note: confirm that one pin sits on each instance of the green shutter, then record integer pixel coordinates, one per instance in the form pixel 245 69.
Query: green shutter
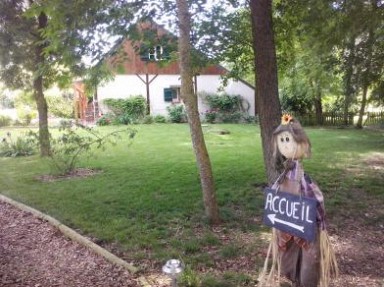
pixel 168 95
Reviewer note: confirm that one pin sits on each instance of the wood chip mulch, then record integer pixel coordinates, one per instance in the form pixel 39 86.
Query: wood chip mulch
pixel 35 254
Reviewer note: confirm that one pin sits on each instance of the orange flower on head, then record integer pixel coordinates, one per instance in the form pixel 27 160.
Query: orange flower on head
pixel 286 119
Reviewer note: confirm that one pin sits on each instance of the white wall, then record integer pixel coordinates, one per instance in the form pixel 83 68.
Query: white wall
pixel 124 86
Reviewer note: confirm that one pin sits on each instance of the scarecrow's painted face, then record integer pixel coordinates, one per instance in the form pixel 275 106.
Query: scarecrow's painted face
pixel 287 145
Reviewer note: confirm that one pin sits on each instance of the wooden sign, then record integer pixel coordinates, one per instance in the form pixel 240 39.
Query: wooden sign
pixel 293 214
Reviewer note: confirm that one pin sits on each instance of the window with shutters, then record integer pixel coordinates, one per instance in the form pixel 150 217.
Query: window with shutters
pixel 172 94
pixel 155 53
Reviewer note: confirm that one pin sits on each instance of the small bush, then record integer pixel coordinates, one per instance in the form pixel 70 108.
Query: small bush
pixel 6 101
pixel 226 108
pixel 22 146
pixel 133 108
pixel 75 141
pixel 160 119
pixel 124 119
pixel 177 114
pixel 250 119
pixel 148 119
pixel 233 117
pixel 189 278
pixel 224 103
pixel 5 121
pixel 104 120
pixel 60 106
pixel 17 122
pixel 210 116
pixel 26 115
pixel 26 107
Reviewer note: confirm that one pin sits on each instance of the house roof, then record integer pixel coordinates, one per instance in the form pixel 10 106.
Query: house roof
pixel 126 58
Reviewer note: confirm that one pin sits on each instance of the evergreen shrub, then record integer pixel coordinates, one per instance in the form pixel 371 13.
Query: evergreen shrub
pixel 177 114
pixel 159 119
pixel 5 121
pixel 127 110
pixel 225 108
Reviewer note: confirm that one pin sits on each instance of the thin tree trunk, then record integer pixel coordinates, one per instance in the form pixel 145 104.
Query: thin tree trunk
pixel 359 124
pixel 349 90
pixel 267 97
pixel 366 76
pixel 318 106
pixel 190 101
pixel 41 103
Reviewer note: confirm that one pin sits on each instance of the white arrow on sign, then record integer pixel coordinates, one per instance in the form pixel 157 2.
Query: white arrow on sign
pixel 273 219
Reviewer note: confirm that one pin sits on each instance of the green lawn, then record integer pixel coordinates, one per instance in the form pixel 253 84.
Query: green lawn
pixel 147 201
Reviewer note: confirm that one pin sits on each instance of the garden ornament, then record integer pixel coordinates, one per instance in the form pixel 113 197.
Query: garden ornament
pixel 302 263
pixel 173 268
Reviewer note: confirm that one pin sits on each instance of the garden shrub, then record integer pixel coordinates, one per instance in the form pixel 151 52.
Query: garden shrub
pixel 231 117
pixel 21 146
pixel 105 120
pixel 189 278
pixel 160 119
pixel 211 116
pixel 148 119
pixel 132 108
pixel 77 140
pixel 25 114
pixel 177 114
pixel 6 101
pixel 26 107
pixel 59 106
pixel 224 103
pixel 5 121
pixel 225 108
pixel 17 122
pixel 250 119
pixel 124 119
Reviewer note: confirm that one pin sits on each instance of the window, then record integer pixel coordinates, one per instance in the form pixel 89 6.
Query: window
pixel 155 53
pixel 172 94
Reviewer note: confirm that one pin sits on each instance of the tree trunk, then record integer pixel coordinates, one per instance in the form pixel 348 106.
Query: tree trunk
pixel 366 76
pixel 318 106
pixel 349 90
pixel 267 97
pixel 190 101
pixel 42 110
pixel 359 124
pixel 41 103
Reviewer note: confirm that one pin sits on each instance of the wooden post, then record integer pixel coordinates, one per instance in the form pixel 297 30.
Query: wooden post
pixel 147 82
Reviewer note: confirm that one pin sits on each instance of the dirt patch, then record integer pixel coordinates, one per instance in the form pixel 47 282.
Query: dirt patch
pixel 77 173
pixel 374 161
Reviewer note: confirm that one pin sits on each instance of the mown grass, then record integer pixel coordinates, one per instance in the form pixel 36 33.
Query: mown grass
pixel 148 203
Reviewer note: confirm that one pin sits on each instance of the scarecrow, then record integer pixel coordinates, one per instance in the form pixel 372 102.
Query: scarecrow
pixel 302 263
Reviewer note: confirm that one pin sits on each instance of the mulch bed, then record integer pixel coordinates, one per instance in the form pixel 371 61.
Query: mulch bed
pixel 33 253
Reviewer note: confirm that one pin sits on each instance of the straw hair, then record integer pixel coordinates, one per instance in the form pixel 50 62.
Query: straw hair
pixel 328 263
pixel 270 275
pixel 271 278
